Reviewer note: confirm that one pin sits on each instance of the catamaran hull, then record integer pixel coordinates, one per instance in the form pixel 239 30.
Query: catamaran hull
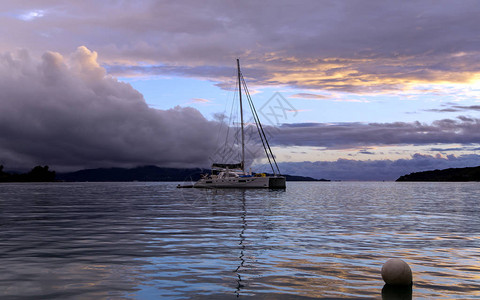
pixel 277 182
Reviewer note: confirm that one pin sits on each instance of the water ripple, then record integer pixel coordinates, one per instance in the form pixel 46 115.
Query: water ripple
pixel 314 240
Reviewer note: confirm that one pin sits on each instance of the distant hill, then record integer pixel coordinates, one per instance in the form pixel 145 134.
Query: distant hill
pixel 147 173
pixel 452 174
pixel 301 178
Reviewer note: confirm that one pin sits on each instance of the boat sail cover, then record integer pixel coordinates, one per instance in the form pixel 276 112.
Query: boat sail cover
pixel 229 166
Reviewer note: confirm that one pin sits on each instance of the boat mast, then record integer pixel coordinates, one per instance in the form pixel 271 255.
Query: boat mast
pixel 241 114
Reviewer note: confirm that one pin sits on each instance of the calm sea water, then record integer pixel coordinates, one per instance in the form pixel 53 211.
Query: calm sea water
pixel 314 240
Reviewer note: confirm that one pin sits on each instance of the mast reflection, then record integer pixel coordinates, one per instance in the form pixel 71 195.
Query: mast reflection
pixel 242 246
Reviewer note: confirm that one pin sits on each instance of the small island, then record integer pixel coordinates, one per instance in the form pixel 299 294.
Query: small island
pixel 37 174
pixel 452 174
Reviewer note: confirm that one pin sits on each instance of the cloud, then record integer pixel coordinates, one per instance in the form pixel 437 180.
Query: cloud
pixel 449 149
pixel 366 152
pixel 346 169
pixel 471 107
pixel 200 100
pixel 456 108
pixel 466 119
pixel 357 135
pixel 331 45
pixel 442 110
pixel 67 113
pixel 325 97
pixel 309 96
pixel 31 15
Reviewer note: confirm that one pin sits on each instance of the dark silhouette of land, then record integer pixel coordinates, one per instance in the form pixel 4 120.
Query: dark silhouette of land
pixel 452 174
pixel 37 174
pixel 147 173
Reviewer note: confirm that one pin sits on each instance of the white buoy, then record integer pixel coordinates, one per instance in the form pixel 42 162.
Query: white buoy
pixel 396 272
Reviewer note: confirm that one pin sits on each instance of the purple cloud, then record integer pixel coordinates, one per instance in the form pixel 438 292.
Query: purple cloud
pixel 329 45
pixel 346 169
pixel 66 112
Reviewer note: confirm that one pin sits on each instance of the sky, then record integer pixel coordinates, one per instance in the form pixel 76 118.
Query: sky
pixel 348 90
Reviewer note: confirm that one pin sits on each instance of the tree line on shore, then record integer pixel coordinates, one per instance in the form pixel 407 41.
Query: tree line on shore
pixel 37 174
pixel 452 174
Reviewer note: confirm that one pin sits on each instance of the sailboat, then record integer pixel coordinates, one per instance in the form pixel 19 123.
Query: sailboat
pixel 229 175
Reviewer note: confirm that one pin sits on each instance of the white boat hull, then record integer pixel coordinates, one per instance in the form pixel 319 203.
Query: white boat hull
pixel 242 182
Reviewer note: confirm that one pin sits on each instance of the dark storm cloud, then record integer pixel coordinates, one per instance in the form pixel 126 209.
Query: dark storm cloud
pixel 346 169
pixel 354 135
pixel 355 46
pixel 66 112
